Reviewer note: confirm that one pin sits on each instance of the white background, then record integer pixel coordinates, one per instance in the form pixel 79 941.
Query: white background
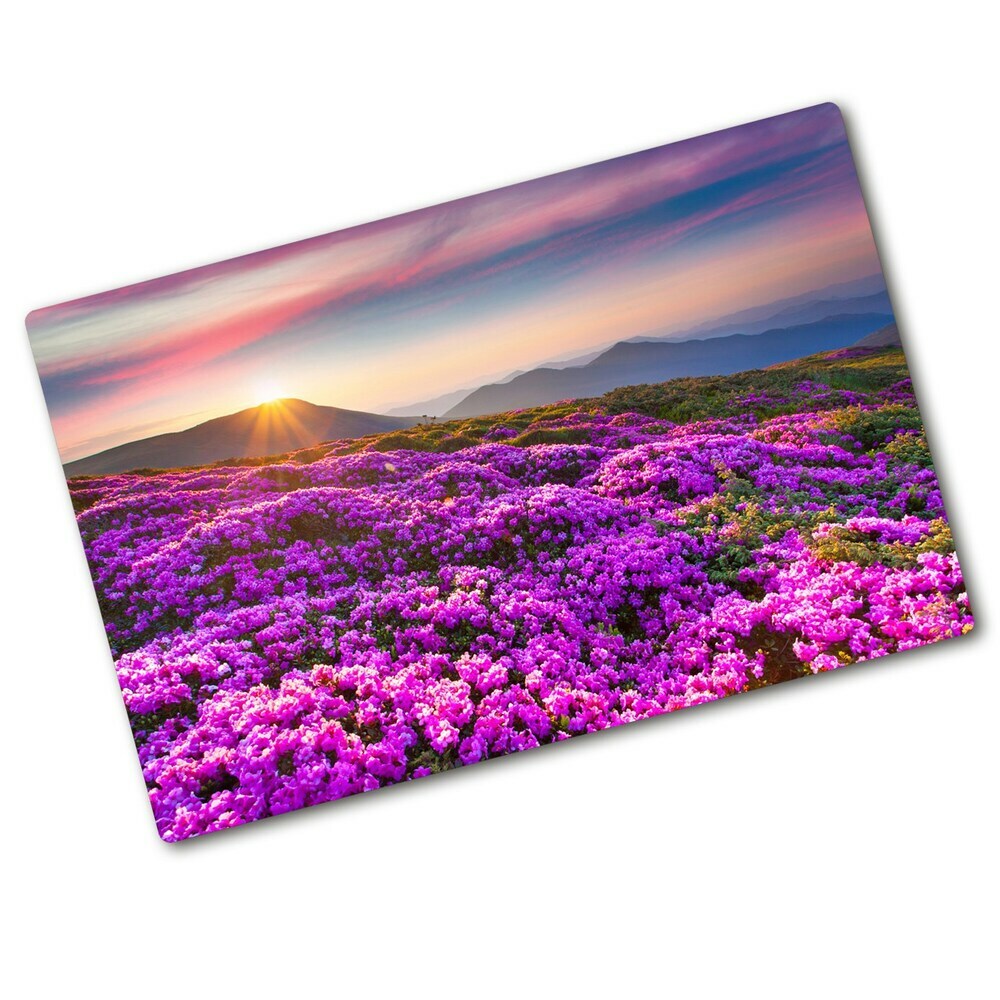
pixel 834 837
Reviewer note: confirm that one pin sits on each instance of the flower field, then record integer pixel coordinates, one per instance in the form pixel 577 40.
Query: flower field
pixel 298 629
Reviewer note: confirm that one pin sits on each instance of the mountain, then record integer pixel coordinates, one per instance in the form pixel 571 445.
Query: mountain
pixel 887 336
pixel 268 429
pixel 631 363
pixel 791 315
pixel 573 361
pixel 430 407
pixel 841 291
pixel 441 404
pixel 859 295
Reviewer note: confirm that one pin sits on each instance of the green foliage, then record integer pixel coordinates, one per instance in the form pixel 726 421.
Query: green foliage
pixel 551 435
pixel 402 439
pixel 780 664
pixel 685 399
pixel 849 545
pixel 748 521
pixel 910 448
pixel 309 455
pixel 422 437
pixel 873 428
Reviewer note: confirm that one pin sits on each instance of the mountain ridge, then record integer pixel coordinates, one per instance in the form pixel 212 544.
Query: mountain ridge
pixel 859 295
pixel 634 363
pixel 797 314
pixel 268 429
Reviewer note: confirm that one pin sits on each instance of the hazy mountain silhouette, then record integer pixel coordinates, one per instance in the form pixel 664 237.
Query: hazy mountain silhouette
pixel 637 363
pixel 268 429
pixel 839 292
pixel 431 407
pixel 887 336
pixel 859 295
pixel 793 315
pixel 441 404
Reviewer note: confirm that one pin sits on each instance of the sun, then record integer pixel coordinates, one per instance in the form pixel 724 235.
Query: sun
pixel 268 392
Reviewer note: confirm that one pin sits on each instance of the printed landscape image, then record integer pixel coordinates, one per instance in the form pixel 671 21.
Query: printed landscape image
pixel 489 475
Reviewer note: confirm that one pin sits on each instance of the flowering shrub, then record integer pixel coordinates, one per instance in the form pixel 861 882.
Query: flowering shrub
pixel 292 632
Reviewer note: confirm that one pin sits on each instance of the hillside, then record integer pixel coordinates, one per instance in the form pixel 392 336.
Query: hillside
pixel 763 392
pixel 381 609
pixel 269 429
pixel 657 361
pixel 887 336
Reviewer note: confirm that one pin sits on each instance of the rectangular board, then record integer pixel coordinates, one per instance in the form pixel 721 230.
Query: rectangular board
pixel 488 475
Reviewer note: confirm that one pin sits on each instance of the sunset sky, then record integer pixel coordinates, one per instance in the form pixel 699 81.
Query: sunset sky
pixel 451 296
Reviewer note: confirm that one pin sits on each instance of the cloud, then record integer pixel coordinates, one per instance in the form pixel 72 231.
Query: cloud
pixel 479 256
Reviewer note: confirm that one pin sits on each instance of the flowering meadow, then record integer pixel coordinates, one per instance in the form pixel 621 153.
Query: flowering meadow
pixel 293 630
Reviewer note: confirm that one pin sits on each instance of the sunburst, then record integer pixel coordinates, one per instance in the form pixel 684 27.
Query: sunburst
pixel 268 393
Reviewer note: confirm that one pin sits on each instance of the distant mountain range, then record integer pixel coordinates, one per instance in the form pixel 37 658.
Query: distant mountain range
pixel 858 296
pixel 645 361
pixel 268 429
pixel 793 315
pixel 840 292
pixel 430 406
pixel 441 404
pixel 851 313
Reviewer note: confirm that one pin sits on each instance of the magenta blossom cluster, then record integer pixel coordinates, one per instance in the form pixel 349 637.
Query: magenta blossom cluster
pixel 292 633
